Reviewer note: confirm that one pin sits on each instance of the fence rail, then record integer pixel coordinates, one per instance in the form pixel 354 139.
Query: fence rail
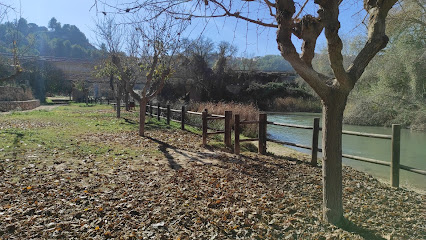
pixel 262 139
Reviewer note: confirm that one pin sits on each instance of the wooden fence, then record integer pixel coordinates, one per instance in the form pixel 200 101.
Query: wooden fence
pixel 262 139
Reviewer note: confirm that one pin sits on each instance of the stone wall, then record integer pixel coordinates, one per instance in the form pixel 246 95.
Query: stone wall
pixel 15 94
pixel 6 106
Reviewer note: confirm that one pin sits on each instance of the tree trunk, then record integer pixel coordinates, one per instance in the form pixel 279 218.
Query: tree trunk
pixel 126 100
pixel 118 102
pixel 142 116
pixel 332 158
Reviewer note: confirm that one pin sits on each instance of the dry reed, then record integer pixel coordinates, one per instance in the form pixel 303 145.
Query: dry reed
pixel 246 111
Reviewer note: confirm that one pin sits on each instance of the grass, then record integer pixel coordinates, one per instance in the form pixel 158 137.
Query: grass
pixel 74 131
pixel 78 131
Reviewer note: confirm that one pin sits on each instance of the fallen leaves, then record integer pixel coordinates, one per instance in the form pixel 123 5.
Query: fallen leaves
pixel 127 188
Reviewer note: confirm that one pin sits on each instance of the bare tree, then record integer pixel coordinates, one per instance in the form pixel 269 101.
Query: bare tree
pixel 17 69
pixel 152 48
pixel 225 51
pixel 110 36
pixel 290 19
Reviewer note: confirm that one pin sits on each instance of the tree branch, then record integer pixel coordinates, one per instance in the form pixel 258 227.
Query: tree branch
pixel 308 29
pixel 238 15
pixel 285 12
pixel 377 39
pixel 163 77
pixel 329 13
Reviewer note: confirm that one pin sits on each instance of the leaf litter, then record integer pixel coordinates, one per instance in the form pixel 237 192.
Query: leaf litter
pixel 166 186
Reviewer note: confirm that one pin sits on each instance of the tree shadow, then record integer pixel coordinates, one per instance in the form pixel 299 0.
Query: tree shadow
pixel 163 148
pixel 365 233
pixel 16 145
pixel 129 121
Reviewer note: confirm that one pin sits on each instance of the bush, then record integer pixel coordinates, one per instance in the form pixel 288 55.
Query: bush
pixel 246 112
pixel 291 104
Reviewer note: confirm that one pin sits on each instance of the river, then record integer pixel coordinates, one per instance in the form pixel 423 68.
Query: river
pixel 413 147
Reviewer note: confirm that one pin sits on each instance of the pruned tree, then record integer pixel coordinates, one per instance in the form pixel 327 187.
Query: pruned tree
pixel 110 37
pixel 290 19
pixel 152 48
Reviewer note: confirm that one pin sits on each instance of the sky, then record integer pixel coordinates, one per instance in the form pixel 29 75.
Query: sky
pixel 249 38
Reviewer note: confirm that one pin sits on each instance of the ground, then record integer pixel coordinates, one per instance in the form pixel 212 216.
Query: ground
pixel 78 172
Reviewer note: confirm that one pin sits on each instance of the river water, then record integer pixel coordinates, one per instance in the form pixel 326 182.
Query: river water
pixel 413 147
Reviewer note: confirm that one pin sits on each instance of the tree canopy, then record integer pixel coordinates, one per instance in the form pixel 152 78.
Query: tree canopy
pixel 57 40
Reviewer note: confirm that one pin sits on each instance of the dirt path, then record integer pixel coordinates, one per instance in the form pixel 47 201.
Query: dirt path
pixel 42 107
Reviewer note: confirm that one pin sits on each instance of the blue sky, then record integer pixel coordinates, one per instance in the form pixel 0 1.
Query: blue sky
pixel 251 40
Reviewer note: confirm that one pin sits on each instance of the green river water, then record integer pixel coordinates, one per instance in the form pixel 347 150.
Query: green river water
pixel 413 147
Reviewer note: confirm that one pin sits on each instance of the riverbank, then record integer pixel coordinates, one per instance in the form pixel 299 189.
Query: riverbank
pixel 412 146
pixel 78 172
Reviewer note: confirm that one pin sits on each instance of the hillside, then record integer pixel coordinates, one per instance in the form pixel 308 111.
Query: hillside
pixel 55 40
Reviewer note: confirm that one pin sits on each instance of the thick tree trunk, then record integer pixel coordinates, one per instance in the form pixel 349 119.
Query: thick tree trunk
pixel 142 117
pixel 332 158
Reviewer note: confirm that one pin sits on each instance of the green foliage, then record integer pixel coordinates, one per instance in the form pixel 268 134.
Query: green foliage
pixel 273 63
pixel 392 89
pixel 265 94
pixel 58 41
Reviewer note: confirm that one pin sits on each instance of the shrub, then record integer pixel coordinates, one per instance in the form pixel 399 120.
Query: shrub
pixel 246 112
pixel 291 104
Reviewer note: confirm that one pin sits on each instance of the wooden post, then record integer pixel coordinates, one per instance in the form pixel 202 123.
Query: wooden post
pixel 395 163
pixel 228 118
pixel 237 134
pixel 150 109
pixel 315 134
pixel 168 114
pixel 204 127
pixel 158 111
pixel 262 133
pixel 182 120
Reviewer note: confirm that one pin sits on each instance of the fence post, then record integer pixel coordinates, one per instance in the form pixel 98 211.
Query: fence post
pixel 204 118
pixel 315 134
pixel 237 134
pixel 395 163
pixel 262 133
pixel 182 120
pixel 150 109
pixel 158 111
pixel 228 118
pixel 168 114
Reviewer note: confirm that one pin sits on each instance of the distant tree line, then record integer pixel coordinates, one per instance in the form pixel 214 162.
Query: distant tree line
pixel 55 40
pixel 211 72
pixel 20 38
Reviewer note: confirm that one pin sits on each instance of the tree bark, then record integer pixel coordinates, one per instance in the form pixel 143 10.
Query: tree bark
pixel 126 100
pixel 118 101
pixel 142 116
pixel 332 157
